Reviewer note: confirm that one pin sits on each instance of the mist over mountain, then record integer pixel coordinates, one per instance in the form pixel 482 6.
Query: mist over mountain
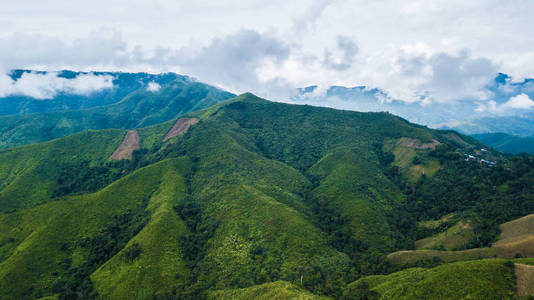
pixel 55 104
pixel 42 91
pixel 507 106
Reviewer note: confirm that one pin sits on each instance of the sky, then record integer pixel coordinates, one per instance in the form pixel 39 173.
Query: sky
pixel 420 51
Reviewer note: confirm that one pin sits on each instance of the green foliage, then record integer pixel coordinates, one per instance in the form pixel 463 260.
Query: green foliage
pixel 474 189
pixel 29 174
pixel 275 290
pixel 76 283
pixel 133 252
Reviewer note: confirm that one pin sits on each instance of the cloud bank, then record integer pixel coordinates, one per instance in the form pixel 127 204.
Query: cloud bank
pixel 439 53
pixel 47 85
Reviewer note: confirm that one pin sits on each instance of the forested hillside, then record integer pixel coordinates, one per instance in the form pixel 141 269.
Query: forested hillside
pixel 256 199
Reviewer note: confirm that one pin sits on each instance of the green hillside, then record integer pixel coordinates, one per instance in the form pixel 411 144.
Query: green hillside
pixel 140 108
pixel 484 279
pixel 256 200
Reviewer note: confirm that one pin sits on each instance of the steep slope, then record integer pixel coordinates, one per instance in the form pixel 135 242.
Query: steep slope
pixel 53 248
pixel 29 175
pixel 138 109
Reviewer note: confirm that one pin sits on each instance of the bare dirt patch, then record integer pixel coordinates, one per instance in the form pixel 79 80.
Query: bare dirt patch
pixel 181 126
pixel 417 144
pixel 524 275
pixel 127 147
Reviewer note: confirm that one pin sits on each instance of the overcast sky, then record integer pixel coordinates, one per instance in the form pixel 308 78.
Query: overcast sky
pixel 419 50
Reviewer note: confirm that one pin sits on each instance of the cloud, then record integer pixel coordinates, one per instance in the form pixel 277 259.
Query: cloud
pixel 348 50
pixel 102 47
pixel 521 101
pixel 48 85
pixel 307 18
pixel 514 105
pixel 417 76
pixel 153 87
pixel 233 61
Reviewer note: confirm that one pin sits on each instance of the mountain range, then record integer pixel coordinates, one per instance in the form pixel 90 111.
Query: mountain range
pixel 188 193
pixel 468 116
pixel 127 103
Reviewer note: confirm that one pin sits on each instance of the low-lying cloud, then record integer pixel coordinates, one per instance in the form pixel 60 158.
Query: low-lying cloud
pixel 47 85
pixel 153 87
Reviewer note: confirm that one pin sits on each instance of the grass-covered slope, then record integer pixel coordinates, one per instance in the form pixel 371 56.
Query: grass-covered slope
pixel 256 199
pixel 55 247
pixel 280 290
pixel 29 174
pixel 484 279
pixel 138 109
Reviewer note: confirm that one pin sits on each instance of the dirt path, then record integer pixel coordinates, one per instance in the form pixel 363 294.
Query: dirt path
pixel 127 147
pixel 181 126
pixel 524 275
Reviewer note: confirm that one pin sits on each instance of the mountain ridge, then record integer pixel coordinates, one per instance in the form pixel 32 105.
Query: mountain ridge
pixel 255 194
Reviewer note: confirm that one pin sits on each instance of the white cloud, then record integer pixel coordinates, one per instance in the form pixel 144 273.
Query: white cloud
pixel 413 49
pixel 153 87
pixel 514 105
pixel 348 50
pixel 46 86
pixel 234 61
pixel 521 101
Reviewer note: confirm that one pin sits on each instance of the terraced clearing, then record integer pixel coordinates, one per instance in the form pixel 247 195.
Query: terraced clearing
pixel 516 239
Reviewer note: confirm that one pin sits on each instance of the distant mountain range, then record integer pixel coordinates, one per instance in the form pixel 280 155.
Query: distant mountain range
pixel 469 116
pixel 122 84
pixel 130 100
pixel 507 143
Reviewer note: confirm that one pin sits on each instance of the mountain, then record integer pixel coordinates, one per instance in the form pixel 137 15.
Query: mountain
pixel 507 143
pixel 118 86
pixel 469 116
pixel 249 199
pixel 137 107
